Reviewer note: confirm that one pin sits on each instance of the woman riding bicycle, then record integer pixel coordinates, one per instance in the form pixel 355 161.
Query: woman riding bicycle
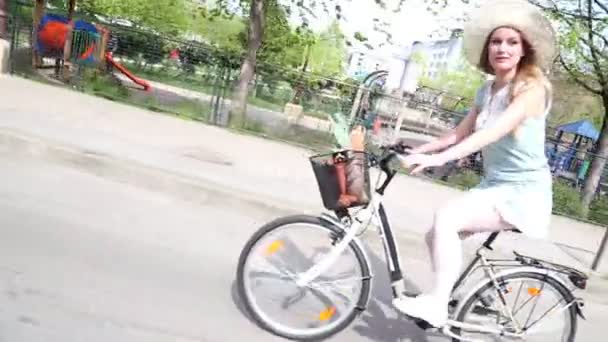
pixel 512 41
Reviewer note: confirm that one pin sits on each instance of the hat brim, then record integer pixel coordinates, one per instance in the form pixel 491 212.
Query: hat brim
pixel 520 15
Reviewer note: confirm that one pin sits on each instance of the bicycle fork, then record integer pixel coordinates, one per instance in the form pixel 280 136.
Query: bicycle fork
pixel 304 279
pixel 374 211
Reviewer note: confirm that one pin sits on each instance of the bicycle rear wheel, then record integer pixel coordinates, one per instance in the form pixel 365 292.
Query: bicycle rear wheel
pixel 522 292
pixel 324 307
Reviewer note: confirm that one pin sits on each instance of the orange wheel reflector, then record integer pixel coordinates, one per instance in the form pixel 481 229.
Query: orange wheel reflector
pixel 274 247
pixel 327 314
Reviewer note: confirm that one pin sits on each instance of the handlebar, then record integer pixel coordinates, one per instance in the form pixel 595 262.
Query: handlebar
pixel 389 152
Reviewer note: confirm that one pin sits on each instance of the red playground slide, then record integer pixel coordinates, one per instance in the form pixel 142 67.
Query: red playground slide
pixel 127 73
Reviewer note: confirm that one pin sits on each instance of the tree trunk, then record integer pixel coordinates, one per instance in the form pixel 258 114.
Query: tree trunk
pixel 3 19
pixel 37 16
pixel 255 34
pixel 71 8
pixel 599 161
pixel 300 87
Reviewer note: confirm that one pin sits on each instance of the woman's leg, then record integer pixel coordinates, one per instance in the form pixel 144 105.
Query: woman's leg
pixel 468 214
pixel 452 223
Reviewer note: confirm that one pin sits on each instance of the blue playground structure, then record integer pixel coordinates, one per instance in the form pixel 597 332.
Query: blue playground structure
pixel 563 158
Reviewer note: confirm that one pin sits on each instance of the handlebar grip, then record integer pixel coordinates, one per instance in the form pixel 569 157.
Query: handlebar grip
pixel 400 148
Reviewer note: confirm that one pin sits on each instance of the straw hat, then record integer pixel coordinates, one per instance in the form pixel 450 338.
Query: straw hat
pixel 518 14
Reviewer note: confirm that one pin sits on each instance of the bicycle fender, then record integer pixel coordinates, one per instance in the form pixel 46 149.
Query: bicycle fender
pixel 336 223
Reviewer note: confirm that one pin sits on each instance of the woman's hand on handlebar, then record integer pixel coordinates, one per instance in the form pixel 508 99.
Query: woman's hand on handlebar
pixel 420 161
pixel 400 148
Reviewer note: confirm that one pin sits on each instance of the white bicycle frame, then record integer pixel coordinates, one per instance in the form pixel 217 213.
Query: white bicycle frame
pixel 372 213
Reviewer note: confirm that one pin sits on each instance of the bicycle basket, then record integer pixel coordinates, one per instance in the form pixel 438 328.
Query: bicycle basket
pixel 343 178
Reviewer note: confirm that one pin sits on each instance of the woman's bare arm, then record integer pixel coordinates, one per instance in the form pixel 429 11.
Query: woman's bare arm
pixel 526 104
pixel 454 136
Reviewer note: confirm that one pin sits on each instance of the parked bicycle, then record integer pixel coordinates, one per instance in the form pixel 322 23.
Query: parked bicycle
pixel 324 274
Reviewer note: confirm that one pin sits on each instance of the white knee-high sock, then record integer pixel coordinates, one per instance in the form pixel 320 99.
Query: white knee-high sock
pixel 447 255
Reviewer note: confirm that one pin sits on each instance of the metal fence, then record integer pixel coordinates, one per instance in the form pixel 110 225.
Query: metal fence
pixel 186 68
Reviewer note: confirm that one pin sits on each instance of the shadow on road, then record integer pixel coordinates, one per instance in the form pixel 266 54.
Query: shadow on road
pixel 380 322
pixel 234 294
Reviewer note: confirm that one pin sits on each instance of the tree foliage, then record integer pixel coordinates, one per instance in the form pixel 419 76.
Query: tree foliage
pixel 328 52
pixel 460 79
pixel 572 102
pixel 583 38
pixel 164 16
pixel 221 31
pixel 3 19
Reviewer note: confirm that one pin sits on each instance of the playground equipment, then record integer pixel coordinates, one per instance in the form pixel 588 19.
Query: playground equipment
pixel 72 43
pixel 126 72
pixel 572 161
pixel 584 133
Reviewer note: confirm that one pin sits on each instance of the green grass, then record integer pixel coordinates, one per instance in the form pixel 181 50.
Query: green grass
pixel 598 211
pixel 464 180
pixel 262 103
pixel 176 79
pixel 185 108
pixel 196 83
pixel 103 85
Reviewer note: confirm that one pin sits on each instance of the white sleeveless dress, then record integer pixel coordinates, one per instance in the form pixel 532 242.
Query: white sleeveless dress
pixel 516 176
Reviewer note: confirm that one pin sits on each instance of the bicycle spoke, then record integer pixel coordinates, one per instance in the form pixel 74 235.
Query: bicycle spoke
pixel 521 286
pixel 265 274
pixel 487 312
pixel 544 315
pixel 537 296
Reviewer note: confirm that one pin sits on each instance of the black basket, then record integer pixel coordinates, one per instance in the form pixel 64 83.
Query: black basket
pixel 343 179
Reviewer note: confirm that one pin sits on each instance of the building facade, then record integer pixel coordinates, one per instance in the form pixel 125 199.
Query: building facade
pixel 426 59
pixel 408 64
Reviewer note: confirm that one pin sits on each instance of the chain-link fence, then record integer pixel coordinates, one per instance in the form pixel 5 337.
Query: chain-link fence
pixel 186 76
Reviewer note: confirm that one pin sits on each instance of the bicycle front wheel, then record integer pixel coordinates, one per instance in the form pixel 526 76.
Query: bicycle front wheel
pixel 534 302
pixel 286 247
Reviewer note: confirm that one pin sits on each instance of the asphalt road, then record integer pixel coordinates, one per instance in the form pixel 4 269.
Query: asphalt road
pixel 89 258
pixel 85 258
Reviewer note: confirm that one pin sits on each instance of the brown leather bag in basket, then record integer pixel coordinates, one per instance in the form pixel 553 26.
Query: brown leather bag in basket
pixel 343 179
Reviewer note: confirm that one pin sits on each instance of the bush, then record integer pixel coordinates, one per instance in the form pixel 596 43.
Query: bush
pixel 465 179
pixel 566 199
pixel 102 84
pixel 598 211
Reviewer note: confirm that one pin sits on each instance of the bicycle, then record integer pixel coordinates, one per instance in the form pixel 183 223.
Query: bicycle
pixel 487 299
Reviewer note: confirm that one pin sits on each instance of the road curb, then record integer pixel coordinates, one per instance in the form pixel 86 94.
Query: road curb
pixel 156 178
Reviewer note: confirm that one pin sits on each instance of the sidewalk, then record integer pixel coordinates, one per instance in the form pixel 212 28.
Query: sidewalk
pixel 274 173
